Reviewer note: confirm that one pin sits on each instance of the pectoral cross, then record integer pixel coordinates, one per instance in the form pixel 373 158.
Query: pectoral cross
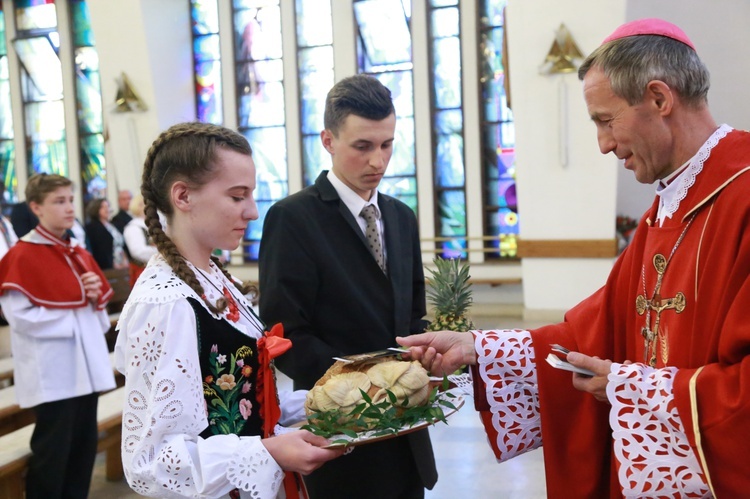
pixel 658 305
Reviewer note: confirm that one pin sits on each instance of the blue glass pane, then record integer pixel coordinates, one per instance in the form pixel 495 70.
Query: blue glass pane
pixel 452 223
pixel 48 157
pixel 265 107
pixel 445 23
pixel 205 15
pixel 316 78
pixel 206 48
pixel 402 160
pixel 83 35
pixel 449 161
pixel 492 12
pixel 92 167
pixel 314 157
pixel 443 3
pixel 314 23
pixel 208 92
pixel 258 33
pixel 35 14
pixel 384 31
pixel 269 155
pixel 449 122
pixel 402 91
pixel 447 73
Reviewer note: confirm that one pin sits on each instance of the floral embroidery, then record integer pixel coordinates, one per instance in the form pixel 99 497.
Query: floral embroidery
pixel 227 412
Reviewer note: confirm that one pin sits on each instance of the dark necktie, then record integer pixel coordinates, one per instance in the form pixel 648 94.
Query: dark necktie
pixel 372 234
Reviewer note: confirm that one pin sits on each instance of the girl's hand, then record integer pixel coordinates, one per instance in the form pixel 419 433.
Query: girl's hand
pixel 300 451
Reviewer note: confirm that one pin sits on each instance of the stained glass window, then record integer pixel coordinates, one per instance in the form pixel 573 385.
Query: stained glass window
pixel 448 153
pixel 7 150
pixel 498 141
pixel 89 104
pixel 37 45
pixel 315 66
pixel 260 93
pixel 207 60
pixel 384 50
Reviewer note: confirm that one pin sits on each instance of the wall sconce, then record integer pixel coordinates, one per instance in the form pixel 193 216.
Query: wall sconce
pixel 561 59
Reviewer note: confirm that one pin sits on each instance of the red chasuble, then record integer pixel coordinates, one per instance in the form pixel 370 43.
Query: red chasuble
pixel 708 340
pixel 47 270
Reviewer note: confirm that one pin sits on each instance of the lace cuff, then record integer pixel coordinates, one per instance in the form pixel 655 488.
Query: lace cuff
pixel 653 452
pixel 252 469
pixel 506 365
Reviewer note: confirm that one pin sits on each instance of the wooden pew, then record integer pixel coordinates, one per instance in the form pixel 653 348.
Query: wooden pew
pixel 15 450
pixel 13 417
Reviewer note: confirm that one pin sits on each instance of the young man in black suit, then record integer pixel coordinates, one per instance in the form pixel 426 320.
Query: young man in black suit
pixel 341 287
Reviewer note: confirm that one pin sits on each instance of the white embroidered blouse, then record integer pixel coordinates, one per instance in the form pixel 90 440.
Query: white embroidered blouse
pixel 165 409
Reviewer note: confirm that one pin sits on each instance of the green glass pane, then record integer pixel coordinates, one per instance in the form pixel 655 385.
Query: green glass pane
pixel 3 47
pixel 93 170
pixel 83 35
pixel 8 169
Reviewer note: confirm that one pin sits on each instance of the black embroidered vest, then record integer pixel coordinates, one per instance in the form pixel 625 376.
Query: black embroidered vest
pixel 229 367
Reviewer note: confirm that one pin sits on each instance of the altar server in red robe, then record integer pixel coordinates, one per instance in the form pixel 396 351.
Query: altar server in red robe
pixel 667 414
pixel 54 296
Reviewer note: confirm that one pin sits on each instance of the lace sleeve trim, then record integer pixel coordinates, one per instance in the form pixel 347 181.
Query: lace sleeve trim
pixel 252 469
pixel 506 365
pixel 650 443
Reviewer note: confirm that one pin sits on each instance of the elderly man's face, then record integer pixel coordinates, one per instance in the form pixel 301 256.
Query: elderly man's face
pixel 123 200
pixel 635 134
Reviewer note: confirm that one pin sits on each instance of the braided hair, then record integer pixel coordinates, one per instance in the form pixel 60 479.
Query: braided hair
pixel 185 152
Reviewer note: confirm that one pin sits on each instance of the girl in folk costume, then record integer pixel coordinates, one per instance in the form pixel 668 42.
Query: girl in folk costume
pixel 57 321
pixel 201 413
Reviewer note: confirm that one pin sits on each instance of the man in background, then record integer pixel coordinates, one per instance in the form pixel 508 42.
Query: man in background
pixel 123 216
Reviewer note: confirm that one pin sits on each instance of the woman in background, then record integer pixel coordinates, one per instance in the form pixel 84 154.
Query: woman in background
pixel 104 241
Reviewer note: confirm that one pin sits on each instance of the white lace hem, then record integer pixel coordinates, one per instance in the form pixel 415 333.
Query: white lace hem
pixel 506 364
pixel 253 470
pixel 673 195
pixel 651 447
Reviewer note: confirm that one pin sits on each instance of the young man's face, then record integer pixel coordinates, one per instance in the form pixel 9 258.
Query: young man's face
pixel 361 151
pixel 56 212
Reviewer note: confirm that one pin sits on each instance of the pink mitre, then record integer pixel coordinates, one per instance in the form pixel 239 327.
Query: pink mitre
pixel 651 26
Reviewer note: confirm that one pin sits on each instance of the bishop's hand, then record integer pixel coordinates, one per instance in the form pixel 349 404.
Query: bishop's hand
pixel 440 352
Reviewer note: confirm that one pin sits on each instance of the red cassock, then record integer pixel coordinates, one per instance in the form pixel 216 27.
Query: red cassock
pixel 708 340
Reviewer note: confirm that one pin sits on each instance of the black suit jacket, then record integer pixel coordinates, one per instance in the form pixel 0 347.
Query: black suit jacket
pixel 101 244
pixel 318 278
pixel 121 219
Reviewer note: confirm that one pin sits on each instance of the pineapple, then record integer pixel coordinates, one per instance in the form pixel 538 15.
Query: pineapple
pixel 450 295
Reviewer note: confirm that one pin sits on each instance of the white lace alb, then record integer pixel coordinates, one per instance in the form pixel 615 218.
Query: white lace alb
pixel 506 364
pixel 650 443
pixel 672 195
